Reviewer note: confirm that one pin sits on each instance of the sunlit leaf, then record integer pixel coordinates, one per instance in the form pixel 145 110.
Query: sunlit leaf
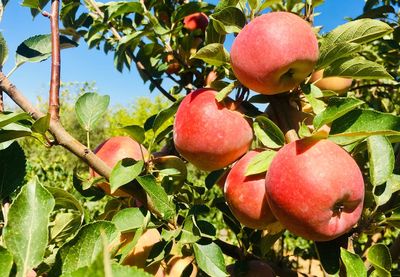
pixel 90 108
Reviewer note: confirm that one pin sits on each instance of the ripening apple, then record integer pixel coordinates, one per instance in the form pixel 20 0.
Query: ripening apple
pixel 195 21
pixel 274 53
pixel 315 189
pixel 245 195
pixel 173 64
pixel 177 265
pixel 253 268
pixel 339 85
pixel 209 134
pixel 113 150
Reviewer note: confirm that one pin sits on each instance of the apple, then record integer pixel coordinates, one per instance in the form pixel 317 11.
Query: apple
pixel 209 134
pixel 195 21
pixel 173 64
pixel 177 264
pixel 139 254
pixel 211 77
pixel 339 85
pixel 315 189
pixel 245 195
pixel 113 150
pixel 253 268
pixel 274 53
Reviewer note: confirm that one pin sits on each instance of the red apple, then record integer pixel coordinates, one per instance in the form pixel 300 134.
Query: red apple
pixel 251 268
pixel 245 195
pixel 173 64
pixel 274 53
pixel 209 134
pixel 195 21
pixel 177 265
pixel 115 149
pixel 315 189
pixel 338 84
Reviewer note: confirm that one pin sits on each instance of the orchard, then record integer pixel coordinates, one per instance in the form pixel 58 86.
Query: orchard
pixel 272 149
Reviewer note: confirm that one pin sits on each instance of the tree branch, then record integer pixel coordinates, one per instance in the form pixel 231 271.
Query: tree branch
pixel 54 99
pixel 1 102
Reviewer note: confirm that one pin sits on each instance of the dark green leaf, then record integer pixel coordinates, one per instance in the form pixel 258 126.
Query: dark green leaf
pixel 8 118
pixel 187 9
pixel 164 115
pixel 13 131
pixel 12 169
pixel 228 20
pixel 268 132
pixel 213 54
pixel 260 163
pixel 125 271
pixel 210 259
pixel 89 109
pixel 330 53
pixel 158 196
pixel 212 36
pixel 353 263
pixel 3 48
pixel 190 232
pixel 379 256
pixel 6 262
pixel 26 233
pixel 337 107
pixel 125 171
pixel 42 124
pixel 329 254
pixel 381 159
pixel 226 3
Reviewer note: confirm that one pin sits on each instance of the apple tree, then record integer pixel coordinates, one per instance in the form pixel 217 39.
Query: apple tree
pixel 276 158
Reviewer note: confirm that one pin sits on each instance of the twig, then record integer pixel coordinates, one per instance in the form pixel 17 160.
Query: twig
pixel 138 63
pixel 1 102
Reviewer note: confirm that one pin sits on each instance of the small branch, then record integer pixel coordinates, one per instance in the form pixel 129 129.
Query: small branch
pixel 1 102
pixel 54 95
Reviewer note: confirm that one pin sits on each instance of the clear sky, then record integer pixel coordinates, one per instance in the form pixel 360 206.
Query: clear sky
pixel 82 64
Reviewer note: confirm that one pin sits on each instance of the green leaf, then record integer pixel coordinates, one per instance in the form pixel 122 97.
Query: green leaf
pixel 125 271
pixel 6 262
pixel 115 9
pixel 329 53
pixel 365 123
pixel 187 9
pixel 353 263
pixel 3 49
pixel 210 259
pixel 260 163
pixel 379 256
pixel 329 254
pixel 268 132
pixel 164 115
pixel 83 249
pixel 26 232
pixel 190 232
pixel 357 68
pixel 158 196
pixel 358 31
pixel 228 20
pixel 90 108
pixel 7 118
pixel 392 186
pixel 394 218
pixel 312 93
pixel 213 54
pixel 381 159
pixel 38 48
pixel 12 169
pixel 254 4
pixel 131 219
pixel 42 124
pixel 226 3
pixel 125 171
pixel 13 131
pixel 336 107
pixel 223 93
pixel 136 132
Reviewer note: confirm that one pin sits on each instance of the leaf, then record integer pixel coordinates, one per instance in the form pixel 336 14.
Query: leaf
pixel 381 159
pixel 190 232
pixel 358 31
pixel 125 171
pixel 228 20
pixel 38 48
pixel 6 119
pixel 131 219
pixel 392 186
pixel 125 271
pixel 329 254
pixel 158 196
pixel 12 169
pixel 3 48
pixel 187 9
pixel 42 124
pixel 213 54
pixel 260 163
pixel 226 3
pixel 136 132
pixel 268 132
pixel 312 93
pixel 353 263
pixel 379 256
pixel 6 262
pixel 84 247
pixel 223 93
pixel 357 68
pixel 13 131
pixel 329 53
pixel 210 259
pixel 26 232
pixel 89 109
pixel 164 115
pixel 336 107
pixel 115 9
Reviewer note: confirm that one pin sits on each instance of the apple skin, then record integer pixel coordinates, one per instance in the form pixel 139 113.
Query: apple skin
pixel 177 264
pixel 113 150
pixel 173 64
pixel 209 134
pixel 245 195
pixel 274 53
pixel 195 21
pixel 251 268
pixel 307 182
pixel 339 85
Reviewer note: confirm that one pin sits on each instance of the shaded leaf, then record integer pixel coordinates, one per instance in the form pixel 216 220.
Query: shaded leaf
pixel 392 185
pixel 42 124
pixel 7 118
pixel 125 171
pixel 381 159
pixel 228 20
pixel 136 132
pixel 268 132
pixel 89 109
pixel 164 115
pixel 213 54
pixel 3 47
pixel 6 262
pixel 330 53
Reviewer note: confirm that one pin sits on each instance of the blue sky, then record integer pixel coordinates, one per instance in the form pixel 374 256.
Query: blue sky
pixel 82 64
